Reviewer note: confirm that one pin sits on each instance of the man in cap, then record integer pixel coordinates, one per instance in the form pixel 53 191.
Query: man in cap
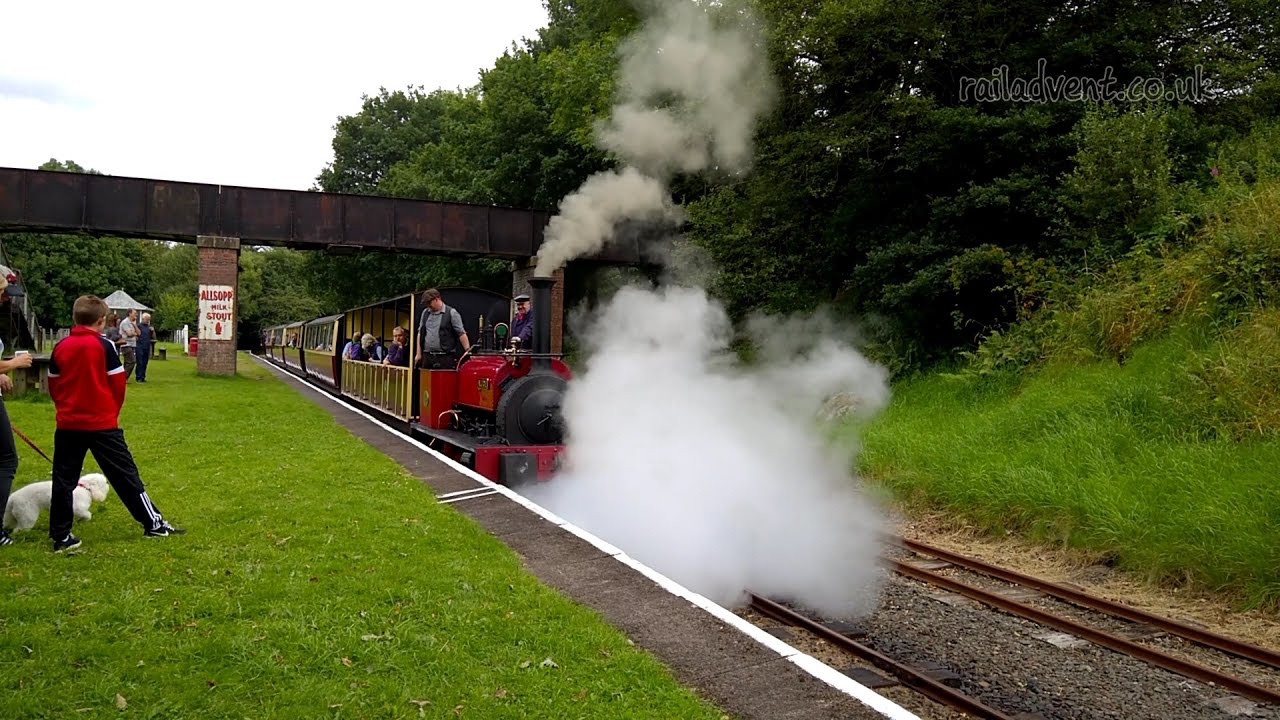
pixel 522 326
pixel 440 333
pixel 9 288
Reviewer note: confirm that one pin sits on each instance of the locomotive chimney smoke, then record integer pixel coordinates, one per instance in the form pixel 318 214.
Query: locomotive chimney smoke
pixel 588 216
pixel 541 319
pixel 692 87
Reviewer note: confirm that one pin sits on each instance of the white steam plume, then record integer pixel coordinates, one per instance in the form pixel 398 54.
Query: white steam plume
pixel 719 475
pixel 691 90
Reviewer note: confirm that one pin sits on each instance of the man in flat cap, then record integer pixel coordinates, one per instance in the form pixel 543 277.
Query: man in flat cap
pixel 440 333
pixel 522 326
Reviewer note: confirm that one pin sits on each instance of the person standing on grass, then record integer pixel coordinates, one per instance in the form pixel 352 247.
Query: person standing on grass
pixel 87 384
pixel 145 338
pixel 129 333
pixel 8 449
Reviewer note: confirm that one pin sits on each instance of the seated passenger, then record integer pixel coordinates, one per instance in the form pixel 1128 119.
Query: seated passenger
pixel 355 350
pixel 397 351
pixel 370 347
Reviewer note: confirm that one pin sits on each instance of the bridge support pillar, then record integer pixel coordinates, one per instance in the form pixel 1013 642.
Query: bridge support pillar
pixel 521 271
pixel 218 299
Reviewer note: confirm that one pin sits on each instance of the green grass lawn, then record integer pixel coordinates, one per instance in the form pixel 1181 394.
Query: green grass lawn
pixel 318 580
pixel 1093 457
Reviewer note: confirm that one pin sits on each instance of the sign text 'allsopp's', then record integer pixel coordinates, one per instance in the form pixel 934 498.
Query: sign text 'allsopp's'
pixel 217 312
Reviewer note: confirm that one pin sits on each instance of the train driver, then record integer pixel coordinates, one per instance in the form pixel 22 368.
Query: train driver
pixel 522 326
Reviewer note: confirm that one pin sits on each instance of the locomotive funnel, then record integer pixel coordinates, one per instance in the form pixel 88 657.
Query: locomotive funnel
pixel 541 319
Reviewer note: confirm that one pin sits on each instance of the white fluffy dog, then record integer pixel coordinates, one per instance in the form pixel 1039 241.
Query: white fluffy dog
pixel 26 502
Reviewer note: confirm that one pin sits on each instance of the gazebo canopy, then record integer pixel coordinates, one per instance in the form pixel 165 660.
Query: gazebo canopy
pixel 120 300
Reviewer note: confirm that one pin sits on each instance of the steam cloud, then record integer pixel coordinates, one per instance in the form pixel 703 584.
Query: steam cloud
pixel 716 474
pixel 691 92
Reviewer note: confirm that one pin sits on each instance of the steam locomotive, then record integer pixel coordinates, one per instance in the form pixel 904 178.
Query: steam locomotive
pixel 495 410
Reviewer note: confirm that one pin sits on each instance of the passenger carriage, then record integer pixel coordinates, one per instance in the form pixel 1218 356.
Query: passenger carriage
pixel 386 388
pixel 292 349
pixel 322 341
pixel 275 344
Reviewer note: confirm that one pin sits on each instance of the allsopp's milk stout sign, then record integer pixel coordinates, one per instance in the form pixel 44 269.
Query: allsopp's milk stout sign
pixel 217 312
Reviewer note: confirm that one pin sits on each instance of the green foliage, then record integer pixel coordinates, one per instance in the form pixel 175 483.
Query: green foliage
pixel 1233 385
pixel 881 187
pixel 388 128
pixel 1161 456
pixel 340 282
pixel 521 138
pixel 175 309
pixel 1221 274
pixel 577 21
pixel 59 268
pixel 580 85
pixel 66 166
pixel 447 168
pixel 1121 183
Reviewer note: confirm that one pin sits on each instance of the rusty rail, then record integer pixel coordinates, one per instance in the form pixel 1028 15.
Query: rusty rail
pixel 1223 643
pixel 909 676
pixel 1128 647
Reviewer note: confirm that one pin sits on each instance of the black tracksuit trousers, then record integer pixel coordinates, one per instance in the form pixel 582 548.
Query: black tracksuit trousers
pixel 113 456
pixel 8 457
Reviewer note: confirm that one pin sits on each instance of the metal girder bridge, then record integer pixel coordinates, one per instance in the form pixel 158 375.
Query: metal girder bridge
pixel 64 202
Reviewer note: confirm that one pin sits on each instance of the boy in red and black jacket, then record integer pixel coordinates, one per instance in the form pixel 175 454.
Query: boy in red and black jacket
pixel 86 381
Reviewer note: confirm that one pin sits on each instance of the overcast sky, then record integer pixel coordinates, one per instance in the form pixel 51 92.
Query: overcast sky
pixel 229 92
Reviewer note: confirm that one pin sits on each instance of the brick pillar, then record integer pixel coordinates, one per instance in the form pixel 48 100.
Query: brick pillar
pixel 218 277
pixel 520 274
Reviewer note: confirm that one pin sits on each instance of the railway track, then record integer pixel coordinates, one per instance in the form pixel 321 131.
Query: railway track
pixel 1077 628
pixel 1205 638
pixel 917 678
pixel 1081 618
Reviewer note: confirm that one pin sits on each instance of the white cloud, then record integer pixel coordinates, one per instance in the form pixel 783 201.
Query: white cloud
pixel 235 92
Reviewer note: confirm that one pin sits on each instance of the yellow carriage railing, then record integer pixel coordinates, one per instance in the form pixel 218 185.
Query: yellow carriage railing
pixel 386 387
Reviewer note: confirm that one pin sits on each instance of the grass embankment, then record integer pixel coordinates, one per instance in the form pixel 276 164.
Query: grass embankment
pixel 1089 458
pixel 1139 420
pixel 318 579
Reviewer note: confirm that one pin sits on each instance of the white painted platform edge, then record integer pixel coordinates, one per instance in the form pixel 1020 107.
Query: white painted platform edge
pixel 808 663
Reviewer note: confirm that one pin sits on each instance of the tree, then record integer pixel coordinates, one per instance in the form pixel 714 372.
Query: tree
pixel 59 268
pixel 388 129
